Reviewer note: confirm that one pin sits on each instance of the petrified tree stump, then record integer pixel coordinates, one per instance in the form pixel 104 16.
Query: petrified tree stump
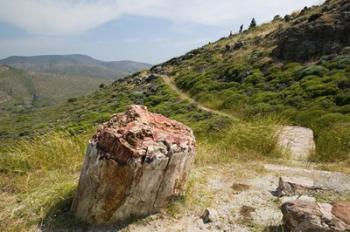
pixel 135 164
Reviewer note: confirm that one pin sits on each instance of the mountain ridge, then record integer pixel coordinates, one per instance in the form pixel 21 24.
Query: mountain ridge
pixel 74 64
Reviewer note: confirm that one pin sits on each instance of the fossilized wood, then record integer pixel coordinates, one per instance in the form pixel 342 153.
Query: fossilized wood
pixel 134 165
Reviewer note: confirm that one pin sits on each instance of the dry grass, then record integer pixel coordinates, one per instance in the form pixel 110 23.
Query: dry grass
pixel 35 176
pixel 38 175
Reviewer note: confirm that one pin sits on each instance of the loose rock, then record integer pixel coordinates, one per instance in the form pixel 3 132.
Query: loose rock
pixel 209 215
pixel 135 164
pixel 301 216
pixel 289 186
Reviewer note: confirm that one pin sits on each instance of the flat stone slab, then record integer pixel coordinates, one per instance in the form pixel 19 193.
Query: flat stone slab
pixel 296 141
pixel 289 186
pixel 326 180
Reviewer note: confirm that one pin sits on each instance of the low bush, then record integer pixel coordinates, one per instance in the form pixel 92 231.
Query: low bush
pixel 257 137
pixel 333 144
pixel 312 70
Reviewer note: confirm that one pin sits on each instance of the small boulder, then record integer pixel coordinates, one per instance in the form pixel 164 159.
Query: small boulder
pixel 296 141
pixel 289 186
pixel 301 216
pixel 134 165
pixel 209 215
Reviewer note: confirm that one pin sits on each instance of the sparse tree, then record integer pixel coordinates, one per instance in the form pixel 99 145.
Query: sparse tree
pixel 252 24
pixel 241 29
pixel 276 18
pixel 287 18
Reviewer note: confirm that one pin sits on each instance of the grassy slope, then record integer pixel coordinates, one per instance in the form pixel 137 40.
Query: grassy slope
pixel 45 169
pixel 240 75
pixel 246 81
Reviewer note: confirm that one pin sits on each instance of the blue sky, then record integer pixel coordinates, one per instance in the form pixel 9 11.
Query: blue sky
pixel 142 30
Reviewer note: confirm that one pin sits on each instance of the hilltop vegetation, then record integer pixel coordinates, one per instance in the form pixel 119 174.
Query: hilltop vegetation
pixel 297 66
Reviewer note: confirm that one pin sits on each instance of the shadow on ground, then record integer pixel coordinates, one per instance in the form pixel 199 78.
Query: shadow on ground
pixel 279 228
pixel 61 219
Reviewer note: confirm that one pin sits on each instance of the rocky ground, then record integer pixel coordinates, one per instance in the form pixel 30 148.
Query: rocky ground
pixel 244 200
pixel 242 197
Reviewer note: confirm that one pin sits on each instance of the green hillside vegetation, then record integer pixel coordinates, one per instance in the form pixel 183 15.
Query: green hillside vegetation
pixel 246 74
pixel 20 90
pixel 46 167
pixel 27 83
pixel 241 75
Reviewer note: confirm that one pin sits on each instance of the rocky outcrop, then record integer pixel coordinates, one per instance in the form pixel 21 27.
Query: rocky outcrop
pixel 301 216
pixel 320 33
pixel 135 164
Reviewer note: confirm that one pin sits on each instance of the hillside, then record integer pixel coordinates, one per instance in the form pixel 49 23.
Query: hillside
pixel 234 93
pixel 21 90
pixel 74 65
pixel 27 82
pixel 244 75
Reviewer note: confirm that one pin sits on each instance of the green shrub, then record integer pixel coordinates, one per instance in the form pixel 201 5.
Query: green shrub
pixel 328 120
pixel 342 99
pixel 234 101
pixel 266 96
pixel 333 144
pixel 315 88
pixel 307 118
pixel 312 70
pixel 258 136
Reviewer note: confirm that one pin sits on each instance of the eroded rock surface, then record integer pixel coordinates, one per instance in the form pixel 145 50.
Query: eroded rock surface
pixel 135 164
pixel 321 33
pixel 297 141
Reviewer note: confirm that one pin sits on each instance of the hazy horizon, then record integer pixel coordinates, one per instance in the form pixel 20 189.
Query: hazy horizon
pixel 150 31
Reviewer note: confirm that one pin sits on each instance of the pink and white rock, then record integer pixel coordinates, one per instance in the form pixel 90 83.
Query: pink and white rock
pixel 134 165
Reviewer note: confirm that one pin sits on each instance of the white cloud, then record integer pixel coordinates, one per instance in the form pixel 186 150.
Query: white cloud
pixel 50 17
pixel 61 17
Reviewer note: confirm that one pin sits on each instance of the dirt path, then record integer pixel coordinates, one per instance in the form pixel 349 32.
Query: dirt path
pixel 297 141
pixel 167 80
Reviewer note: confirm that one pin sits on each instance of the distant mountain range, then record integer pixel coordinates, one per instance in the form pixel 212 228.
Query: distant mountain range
pixel 81 65
pixel 37 81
